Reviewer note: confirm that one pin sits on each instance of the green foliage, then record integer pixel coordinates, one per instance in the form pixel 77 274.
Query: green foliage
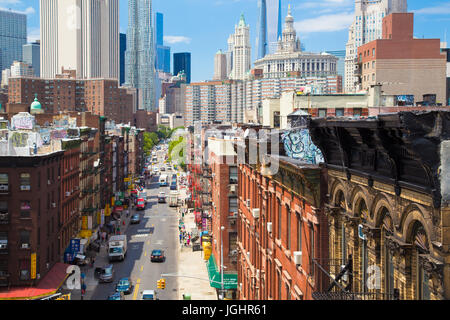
pixel 175 143
pixel 150 140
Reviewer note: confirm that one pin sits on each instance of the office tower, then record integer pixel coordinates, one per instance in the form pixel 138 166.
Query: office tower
pixel 82 35
pixel 340 54
pixel 162 52
pixel 261 42
pixel 32 56
pixel 274 24
pixel 13 35
pixel 366 27
pixel 229 55
pixel 220 66
pixel 182 62
pixel 123 49
pixel 140 54
pixel 241 50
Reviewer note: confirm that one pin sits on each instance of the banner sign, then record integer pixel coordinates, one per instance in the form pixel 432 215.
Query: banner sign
pixel 33 266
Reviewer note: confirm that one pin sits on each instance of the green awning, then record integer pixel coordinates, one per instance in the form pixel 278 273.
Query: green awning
pixel 229 280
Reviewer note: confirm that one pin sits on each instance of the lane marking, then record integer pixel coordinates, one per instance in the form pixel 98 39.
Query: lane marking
pixel 145 254
pixel 136 289
pixel 142 268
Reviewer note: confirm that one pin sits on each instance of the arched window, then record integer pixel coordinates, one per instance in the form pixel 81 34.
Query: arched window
pixel 420 242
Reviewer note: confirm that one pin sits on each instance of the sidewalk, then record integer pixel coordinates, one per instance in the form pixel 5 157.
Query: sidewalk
pixel 101 259
pixel 192 264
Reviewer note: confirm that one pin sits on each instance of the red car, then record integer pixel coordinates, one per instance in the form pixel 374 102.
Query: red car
pixel 140 204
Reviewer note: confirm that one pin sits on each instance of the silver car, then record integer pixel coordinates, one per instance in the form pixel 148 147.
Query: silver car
pixel 107 274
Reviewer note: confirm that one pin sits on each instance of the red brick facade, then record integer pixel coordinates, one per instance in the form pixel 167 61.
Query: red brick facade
pixel 268 243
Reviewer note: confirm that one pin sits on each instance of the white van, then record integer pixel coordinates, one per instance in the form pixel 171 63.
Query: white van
pixel 163 181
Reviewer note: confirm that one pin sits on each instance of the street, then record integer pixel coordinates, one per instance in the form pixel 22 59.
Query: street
pixel 158 229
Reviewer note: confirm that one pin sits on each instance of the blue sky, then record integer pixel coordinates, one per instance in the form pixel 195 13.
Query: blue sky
pixel 203 26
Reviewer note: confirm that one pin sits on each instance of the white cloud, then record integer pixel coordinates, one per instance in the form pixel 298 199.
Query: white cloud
pixel 27 11
pixel 325 23
pixel 177 39
pixel 441 9
pixel 33 35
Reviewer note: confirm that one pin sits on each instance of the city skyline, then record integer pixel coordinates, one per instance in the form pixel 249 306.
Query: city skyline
pixel 209 23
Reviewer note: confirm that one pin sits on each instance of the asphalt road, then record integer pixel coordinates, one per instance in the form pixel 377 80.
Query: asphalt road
pixel 158 229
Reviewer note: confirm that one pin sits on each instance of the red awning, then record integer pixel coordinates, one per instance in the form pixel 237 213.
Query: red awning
pixel 52 281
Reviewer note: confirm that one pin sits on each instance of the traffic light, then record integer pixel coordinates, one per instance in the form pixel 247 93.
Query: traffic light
pixel 159 284
pixel 163 283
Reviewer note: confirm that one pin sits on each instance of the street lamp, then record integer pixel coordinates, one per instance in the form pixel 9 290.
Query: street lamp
pixel 221 259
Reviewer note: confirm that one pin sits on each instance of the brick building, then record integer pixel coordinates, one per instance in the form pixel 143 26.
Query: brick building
pixel 69 193
pixel 282 229
pixel 223 213
pixel 29 204
pixel 102 97
pixel 404 66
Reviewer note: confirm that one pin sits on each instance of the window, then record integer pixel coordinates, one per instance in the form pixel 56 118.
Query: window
pixel 25 209
pixel 357 112
pixel 322 113
pixel 25 182
pixel 24 269
pixel 24 238
pixel 373 52
pixel 340 112
pixel 299 232
pixel 233 205
pixel 4 182
pixel 364 264
pixel 288 220
pixel 233 175
pixel 279 285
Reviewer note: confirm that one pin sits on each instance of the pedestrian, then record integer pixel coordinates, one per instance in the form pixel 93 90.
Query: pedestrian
pixel 185 242
pixel 181 236
pixel 188 241
pixel 92 261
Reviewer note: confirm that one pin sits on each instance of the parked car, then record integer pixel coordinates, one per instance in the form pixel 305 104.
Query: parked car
pixel 116 296
pixel 135 219
pixel 162 197
pixel 157 256
pixel 124 285
pixel 140 204
pixel 107 274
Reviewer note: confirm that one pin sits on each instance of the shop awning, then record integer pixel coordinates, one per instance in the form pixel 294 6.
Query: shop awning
pixel 49 285
pixel 229 279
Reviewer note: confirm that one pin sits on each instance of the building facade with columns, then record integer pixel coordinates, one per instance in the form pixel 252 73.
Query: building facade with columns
pixel 388 206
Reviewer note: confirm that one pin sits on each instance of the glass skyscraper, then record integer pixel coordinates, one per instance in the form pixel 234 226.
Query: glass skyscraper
pixel 140 53
pixel 341 63
pixel 123 49
pixel 32 56
pixel 162 52
pixel 261 43
pixel 13 35
pixel 182 62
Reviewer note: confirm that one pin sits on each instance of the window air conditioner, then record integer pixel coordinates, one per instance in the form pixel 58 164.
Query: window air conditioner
pixel 49 182
pixel 255 213
pixel 269 227
pixel 248 254
pixel 25 188
pixel 257 273
pixel 233 188
pixel 25 245
pixel 54 205
pixel 297 258
pixel 4 187
pixel 3 245
pixel 247 203
pixel 68 194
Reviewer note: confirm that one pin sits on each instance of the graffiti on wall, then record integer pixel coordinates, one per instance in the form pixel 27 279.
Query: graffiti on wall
pixel 19 139
pixel 21 121
pixel 298 145
pixel 45 136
